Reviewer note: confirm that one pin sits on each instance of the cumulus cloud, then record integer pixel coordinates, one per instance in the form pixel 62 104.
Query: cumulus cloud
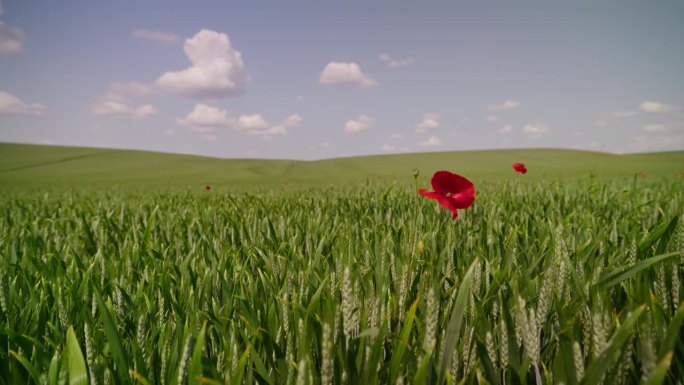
pixel 430 120
pixel 506 129
pixel 431 142
pixel 258 126
pixel 358 124
pixel 11 39
pixel 505 105
pixel 116 101
pixel 345 74
pixel 12 105
pixel 655 128
pixel 658 142
pixel 396 136
pixel 395 63
pixel 119 108
pixel 535 131
pixel 217 70
pixel 155 36
pixel 204 116
pixel 387 147
pixel 654 107
pixel 601 123
pixel 492 119
pixel 207 120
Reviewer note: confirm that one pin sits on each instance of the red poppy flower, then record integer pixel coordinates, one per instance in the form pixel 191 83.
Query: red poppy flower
pixel 207 187
pixel 520 167
pixel 452 191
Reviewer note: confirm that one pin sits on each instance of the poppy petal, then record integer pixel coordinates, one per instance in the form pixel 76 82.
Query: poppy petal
pixel 447 182
pixel 464 199
pixel 445 202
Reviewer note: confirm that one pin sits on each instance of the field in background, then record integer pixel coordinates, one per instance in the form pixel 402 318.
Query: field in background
pixel 40 167
pixel 574 280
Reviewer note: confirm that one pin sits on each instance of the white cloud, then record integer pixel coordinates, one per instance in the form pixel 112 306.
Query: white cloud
pixel 346 74
pixel 505 105
pixel 387 147
pixel 12 105
pixel 431 141
pixel 217 69
pixel 155 36
pixel 116 101
pixel 11 39
pixel 492 119
pixel 658 142
pixel 601 123
pixel 359 124
pixel 169 132
pixel 204 116
pixel 535 131
pixel 336 107
pixel 207 120
pixel 506 129
pixel 119 108
pixel 256 125
pixel 325 144
pixel 395 63
pixel 655 128
pixel 123 90
pixel 655 107
pixel 624 114
pixel 430 120
pixel 299 98
pixel 396 136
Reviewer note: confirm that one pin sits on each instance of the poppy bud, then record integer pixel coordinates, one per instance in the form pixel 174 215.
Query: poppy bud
pixel 421 246
pixel 416 172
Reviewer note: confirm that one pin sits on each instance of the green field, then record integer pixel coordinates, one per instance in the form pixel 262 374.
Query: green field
pixel 117 267
pixel 26 166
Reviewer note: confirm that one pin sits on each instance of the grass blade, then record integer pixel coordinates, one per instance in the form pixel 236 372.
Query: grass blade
pixel 456 320
pixel 195 372
pixel 658 375
pixel 395 362
pixel 113 338
pixel 75 363
pixel 27 365
pixel 621 274
pixel 612 351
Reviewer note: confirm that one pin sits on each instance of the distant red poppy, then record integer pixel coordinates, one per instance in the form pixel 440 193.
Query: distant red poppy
pixel 452 191
pixel 207 187
pixel 520 167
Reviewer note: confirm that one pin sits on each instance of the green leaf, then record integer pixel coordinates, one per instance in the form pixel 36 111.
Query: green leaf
pixel 260 367
pixel 455 321
pixel 75 363
pixel 398 354
pixel 27 365
pixel 672 334
pixel 423 369
pixel 658 375
pixel 240 371
pixel 621 274
pixel 195 371
pixel 612 351
pixel 663 230
pixel 113 338
pixel 53 372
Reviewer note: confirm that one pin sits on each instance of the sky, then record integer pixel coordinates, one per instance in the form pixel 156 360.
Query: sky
pixel 321 79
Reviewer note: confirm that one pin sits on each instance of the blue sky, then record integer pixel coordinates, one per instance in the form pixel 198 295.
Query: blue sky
pixel 314 79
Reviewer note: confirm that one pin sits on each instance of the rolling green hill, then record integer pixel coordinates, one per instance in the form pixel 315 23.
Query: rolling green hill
pixel 35 167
